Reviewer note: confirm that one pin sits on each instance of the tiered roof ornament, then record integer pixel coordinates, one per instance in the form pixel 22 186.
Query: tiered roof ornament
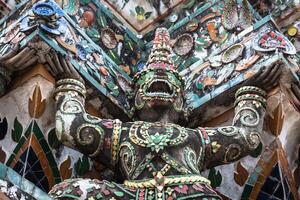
pixel 160 57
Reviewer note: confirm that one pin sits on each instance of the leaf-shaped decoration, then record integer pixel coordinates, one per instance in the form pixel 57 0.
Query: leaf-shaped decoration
pixel 215 178
pixel 17 131
pixel 148 14
pixel 230 16
pixel 139 10
pixel 65 170
pixel 2 155
pixel 119 193
pixel 3 128
pixel 53 140
pixel 101 20
pixel 84 2
pixel 276 120
pixel 82 165
pixel 241 174
pixel 189 4
pixel 93 34
pixel 36 105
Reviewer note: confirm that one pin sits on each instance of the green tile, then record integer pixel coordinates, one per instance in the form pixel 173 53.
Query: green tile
pixel 44 146
pixel 10 160
pixel 28 130
pixel 19 145
pixel 55 172
pixel 247 191
pixel 37 131
pixel 57 180
pixel 50 158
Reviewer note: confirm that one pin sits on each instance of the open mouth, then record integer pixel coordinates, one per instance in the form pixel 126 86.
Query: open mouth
pixel 160 88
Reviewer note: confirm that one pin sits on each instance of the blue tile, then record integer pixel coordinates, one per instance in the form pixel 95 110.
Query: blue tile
pixel 40 194
pixel 252 179
pixel 3 171
pixel 13 177
pixel 27 186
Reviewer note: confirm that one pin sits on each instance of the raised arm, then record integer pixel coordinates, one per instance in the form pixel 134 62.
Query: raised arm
pixel 75 128
pixel 230 143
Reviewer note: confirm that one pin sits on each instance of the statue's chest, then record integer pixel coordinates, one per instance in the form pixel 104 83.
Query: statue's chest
pixel 156 147
pixel 156 136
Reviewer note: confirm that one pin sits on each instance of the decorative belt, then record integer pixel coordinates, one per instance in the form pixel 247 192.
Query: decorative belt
pixel 162 181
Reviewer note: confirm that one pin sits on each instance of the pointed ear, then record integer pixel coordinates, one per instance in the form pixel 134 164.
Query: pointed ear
pixel 125 85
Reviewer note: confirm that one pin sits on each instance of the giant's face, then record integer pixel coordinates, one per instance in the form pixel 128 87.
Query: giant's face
pixel 158 89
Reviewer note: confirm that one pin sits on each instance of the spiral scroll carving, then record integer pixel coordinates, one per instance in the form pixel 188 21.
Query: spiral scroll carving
pixel 90 135
pixel 251 118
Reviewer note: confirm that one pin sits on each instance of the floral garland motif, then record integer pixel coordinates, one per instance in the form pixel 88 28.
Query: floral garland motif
pixel 151 183
pixel 157 141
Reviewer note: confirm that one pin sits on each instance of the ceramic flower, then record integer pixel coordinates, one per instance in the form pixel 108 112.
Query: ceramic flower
pixel 157 142
pixel 140 13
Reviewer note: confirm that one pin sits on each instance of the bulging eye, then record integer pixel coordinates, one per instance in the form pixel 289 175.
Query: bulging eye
pixel 145 78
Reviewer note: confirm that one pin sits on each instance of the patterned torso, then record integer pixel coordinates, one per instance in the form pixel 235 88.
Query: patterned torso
pixel 147 149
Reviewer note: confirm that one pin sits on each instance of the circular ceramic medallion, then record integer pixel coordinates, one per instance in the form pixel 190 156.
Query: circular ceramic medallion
pixel 108 38
pixel 183 45
pixel 43 9
pixel 232 53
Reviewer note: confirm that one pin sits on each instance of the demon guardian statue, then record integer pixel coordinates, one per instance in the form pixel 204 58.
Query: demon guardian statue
pixel 156 158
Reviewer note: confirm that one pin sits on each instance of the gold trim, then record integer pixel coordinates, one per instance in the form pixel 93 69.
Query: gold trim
pixel 166 181
pixel 117 128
